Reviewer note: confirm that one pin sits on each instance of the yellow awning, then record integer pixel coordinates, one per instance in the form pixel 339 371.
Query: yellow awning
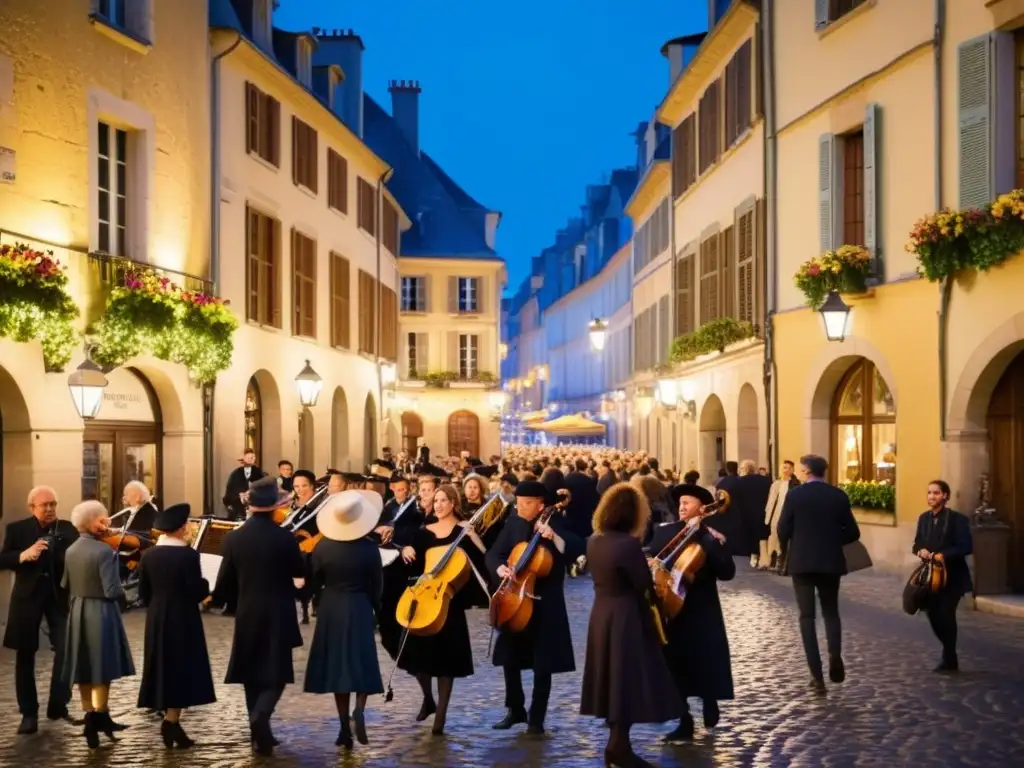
pixel 570 425
pixel 533 416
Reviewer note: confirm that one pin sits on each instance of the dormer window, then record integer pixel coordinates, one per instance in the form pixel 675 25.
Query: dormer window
pixel 304 63
pixel 262 23
pixel 333 80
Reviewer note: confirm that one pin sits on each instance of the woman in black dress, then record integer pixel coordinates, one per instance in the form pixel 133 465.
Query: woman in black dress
pixel 346 565
pixel 447 654
pixel 626 679
pixel 175 663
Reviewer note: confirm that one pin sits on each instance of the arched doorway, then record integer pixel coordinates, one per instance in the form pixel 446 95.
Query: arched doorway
pixel 412 431
pixel 863 426
pixel 369 430
pixel 711 449
pixel 307 441
pixel 463 433
pixel 748 438
pixel 253 420
pixel 1006 451
pixel 339 430
pixel 15 448
pixel 126 442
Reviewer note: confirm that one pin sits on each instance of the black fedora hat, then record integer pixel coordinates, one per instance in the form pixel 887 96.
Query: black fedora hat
pixel 172 518
pixel 700 493
pixel 266 496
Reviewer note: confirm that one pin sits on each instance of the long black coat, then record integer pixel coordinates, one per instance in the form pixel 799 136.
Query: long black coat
pixel 176 664
pixel 948 534
pixel 237 484
pixel 260 561
pixel 815 524
pixel 730 522
pixel 35 583
pixel 399 574
pixel 698 647
pixel 582 503
pixel 753 493
pixel 546 643
pixel 625 678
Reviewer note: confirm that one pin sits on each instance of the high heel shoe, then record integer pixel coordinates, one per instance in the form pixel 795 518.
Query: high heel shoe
pixel 167 733
pixel 92 733
pixel 427 708
pixel 180 738
pixel 108 726
pixel 344 736
pixel 359 725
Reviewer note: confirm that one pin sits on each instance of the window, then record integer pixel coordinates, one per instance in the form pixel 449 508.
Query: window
pixel 337 181
pixel 863 427
pixel 684 156
pixel 388 324
pixel 685 294
pixel 262 237
pixel 710 122
pixel 738 76
pixel 303 285
pixel 1019 90
pixel 112 190
pixel 367 204
pixel 468 357
pixel 263 125
pixel 727 273
pixel 414 294
pixel 367 313
pixel 131 16
pixel 389 225
pixel 829 11
pixel 709 289
pixel 853 188
pixel 467 291
pixel 114 11
pixel 341 305
pixel 748 268
pixel 418 358
pixel 304 63
pixel 652 238
pixel 304 155
pixel 847 186
pixel 262 18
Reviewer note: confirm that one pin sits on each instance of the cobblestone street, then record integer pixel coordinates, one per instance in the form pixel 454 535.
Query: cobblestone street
pixel 892 710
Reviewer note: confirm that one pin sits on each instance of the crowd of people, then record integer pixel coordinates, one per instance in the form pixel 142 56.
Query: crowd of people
pixel 398 527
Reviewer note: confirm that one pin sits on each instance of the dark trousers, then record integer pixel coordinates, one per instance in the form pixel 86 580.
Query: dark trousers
pixel 25 667
pixel 515 698
pixel 942 617
pixel 261 700
pixel 827 587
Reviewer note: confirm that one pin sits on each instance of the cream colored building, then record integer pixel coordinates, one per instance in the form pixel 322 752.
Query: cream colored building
pixel 105 160
pixel 308 241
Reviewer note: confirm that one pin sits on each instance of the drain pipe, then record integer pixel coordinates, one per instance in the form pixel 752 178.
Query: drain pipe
pixel 209 473
pixel 771 189
pixel 946 284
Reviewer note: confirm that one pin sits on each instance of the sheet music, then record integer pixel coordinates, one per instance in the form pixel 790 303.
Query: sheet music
pixel 210 567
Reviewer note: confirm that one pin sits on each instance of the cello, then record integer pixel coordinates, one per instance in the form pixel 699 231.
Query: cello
pixel 512 604
pixel 687 557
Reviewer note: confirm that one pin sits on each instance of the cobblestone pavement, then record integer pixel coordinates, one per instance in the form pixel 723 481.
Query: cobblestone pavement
pixel 891 711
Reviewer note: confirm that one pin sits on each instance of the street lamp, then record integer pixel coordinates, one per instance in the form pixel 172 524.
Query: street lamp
pixel 668 392
pixel 86 385
pixel 309 384
pixel 598 332
pixel 688 394
pixel 836 315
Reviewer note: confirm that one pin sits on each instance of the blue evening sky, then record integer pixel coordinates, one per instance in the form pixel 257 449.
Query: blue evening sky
pixel 524 102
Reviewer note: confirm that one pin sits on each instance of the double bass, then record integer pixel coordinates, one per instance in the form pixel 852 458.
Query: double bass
pixel 512 604
pixel 687 558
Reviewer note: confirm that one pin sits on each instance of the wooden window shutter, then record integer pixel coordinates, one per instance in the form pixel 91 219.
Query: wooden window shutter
pixel 826 187
pixel 745 256
pixel 451 362
pixel 664 342
pixel 422 353
pixel 760 265
pixel 422 292
pixel 275 247
pixel 732 92
pixel 453 295
pixel 684 294
pixel 872 180
pixel 709 291
pixel 295 150
pixel 313 159
pixel 744 81
pixel 252 118
pixel 974 73
pixel 821 16
pixel 727 273
pixel 480 289
pixel 273 108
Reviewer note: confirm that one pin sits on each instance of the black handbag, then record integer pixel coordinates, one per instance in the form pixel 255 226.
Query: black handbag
pixel 857 557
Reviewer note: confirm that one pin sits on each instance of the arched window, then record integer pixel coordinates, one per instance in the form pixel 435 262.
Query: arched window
pixel 254 420
pixel 863 426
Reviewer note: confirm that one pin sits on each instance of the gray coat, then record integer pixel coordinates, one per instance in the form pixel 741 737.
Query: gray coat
pixel 97 647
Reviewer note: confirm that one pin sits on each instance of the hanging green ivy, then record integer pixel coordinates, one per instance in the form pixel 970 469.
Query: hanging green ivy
pixel 149 313
pixel 713 336
pixel 35 303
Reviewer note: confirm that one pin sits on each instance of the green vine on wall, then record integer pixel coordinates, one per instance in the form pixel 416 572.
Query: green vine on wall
pixel 441 379
pixel 149 313
pixel 713 336
pixel 35 304
pixel 871 495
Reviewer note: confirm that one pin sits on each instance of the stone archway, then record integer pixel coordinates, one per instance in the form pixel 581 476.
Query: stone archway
pixel 412 432
pixel 711 450
pixel 15 448
pixel 748 436
pixel 339 430
pixel 369 430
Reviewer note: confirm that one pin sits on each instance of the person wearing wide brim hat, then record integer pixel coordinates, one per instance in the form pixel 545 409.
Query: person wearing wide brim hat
pixel 267 496
pixel 176 665
pixel 347 564
pixel 701 494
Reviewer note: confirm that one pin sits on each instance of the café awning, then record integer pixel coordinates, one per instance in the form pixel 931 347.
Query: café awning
pixel 570 425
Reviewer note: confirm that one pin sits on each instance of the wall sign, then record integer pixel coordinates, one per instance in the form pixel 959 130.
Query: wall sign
pixel 125 398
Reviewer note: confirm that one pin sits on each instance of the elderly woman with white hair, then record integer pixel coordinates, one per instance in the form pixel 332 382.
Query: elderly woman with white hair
pixel 97 650
pixel 139 506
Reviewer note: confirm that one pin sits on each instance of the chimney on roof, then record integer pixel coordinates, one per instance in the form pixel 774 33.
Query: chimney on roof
pixel 680 52
pixel 640 135
pixel 345 49
pixel 405 109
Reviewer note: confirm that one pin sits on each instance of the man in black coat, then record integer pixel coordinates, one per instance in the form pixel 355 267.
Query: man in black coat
pixel 238 484
pixel 730 522
pixel 943 533
pixel 752 498
pixel 34 549
pixel 583 500
pixel 261 564
pixel 545 646
pixel 816 523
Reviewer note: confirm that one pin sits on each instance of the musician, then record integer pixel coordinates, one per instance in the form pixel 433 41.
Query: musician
pixel 397 527
pixel 346 564
pixel 285 472
pixel 140 511
pixel 698 648
pixel 176 665
pixel 260 562
pixel 97 646
pixel 625 679
pixel 473 492
pixel 447 654
pixel 34 548
pixel 427 484
pixel 335 481
pixel 238 484
pixel 304 486
pixel 545 646
pixel 943 533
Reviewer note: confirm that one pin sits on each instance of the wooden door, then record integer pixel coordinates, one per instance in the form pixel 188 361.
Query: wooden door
pixel 463 433
pixel 412 431
pixel 1006 436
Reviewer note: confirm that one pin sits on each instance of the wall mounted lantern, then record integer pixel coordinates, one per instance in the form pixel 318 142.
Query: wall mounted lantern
pixel 86 384
pixel 598 333
pixel 835 313
pixel 309 384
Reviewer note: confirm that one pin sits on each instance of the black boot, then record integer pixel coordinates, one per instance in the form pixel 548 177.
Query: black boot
pixel 359 724
pixel 92 732
pixel 262 738
pixel 344 736
pixel 513 716
pixel 167 733
pixel 181 739
pixel 107 726
pixel 711 713
pixel 683 732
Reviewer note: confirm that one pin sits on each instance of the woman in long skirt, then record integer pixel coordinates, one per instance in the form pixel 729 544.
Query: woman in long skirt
pixel 176 666
pixel 347 566
pixel 97 647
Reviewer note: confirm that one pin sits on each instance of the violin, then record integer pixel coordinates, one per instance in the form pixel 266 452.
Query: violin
pixel 511 605
pixel 687 558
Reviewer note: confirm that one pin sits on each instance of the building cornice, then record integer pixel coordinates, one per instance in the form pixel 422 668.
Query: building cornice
pixel 583 290
pixel 650 191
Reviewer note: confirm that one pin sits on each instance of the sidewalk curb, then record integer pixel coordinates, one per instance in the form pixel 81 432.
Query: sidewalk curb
pixel 1001 605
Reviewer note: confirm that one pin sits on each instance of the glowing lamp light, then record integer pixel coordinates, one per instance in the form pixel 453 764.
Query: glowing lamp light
pixel 309 384
pixel 542 373
pixel 668 392
pixel 388 375
pixel 86 385
pixel 497 399
pixel 835 313
pixel 598 333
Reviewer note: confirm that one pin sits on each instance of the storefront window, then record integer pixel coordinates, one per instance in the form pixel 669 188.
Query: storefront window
pixel 254 421
pixel 864 438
